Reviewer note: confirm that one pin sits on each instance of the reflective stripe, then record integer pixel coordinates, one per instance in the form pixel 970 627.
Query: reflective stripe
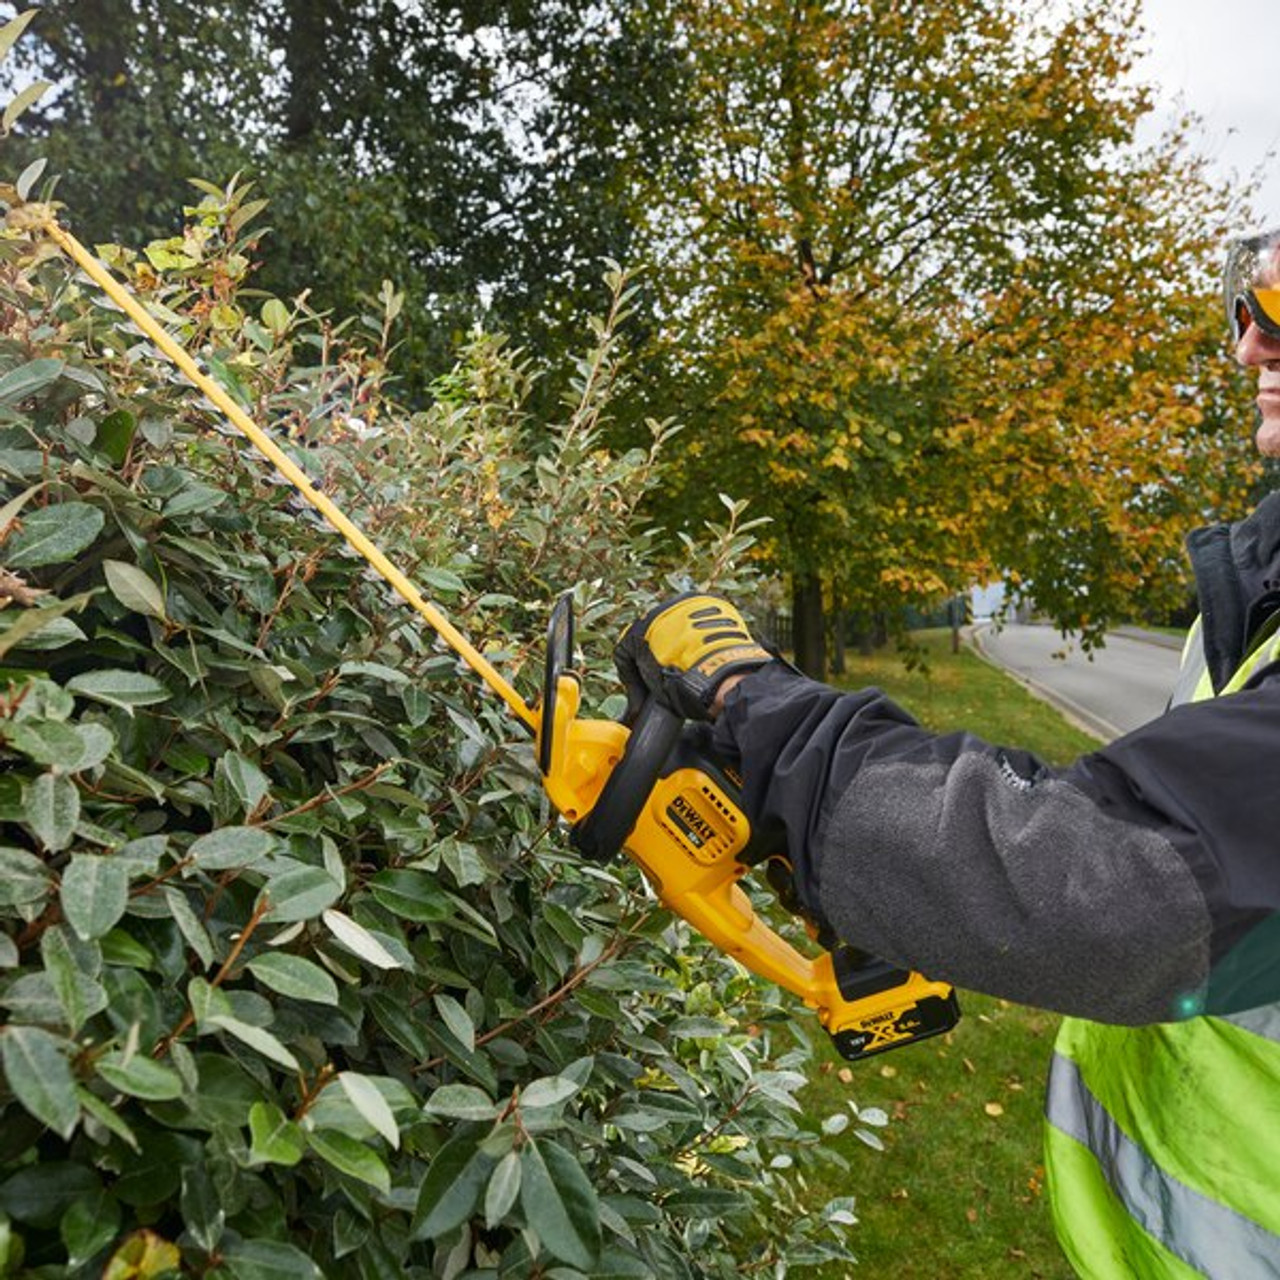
pixel 1192 669
pixel 1214 1239
pixel 1264 1022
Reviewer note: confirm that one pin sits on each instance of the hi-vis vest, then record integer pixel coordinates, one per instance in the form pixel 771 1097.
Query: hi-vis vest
pixel 1163 1142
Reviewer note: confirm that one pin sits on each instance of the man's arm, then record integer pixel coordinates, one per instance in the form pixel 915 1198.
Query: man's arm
pixel 1135 886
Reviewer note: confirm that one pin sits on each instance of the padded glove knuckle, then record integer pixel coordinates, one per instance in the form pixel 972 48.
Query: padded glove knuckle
pixel 701 634
pixel 682 650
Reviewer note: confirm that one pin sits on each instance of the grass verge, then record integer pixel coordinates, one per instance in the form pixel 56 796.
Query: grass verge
pixel 958 1191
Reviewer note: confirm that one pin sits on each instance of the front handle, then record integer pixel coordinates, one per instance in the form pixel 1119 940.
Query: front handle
pixel 602 833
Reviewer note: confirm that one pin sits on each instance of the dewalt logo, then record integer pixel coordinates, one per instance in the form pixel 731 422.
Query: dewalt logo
pixel 691 822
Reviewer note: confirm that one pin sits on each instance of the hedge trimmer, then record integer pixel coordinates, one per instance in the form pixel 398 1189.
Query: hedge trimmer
pixel 654 791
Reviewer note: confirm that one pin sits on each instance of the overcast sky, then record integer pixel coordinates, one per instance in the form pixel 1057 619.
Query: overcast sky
pixel 1223 57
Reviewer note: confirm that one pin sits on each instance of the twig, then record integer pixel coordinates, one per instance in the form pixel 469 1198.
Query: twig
pixel 326 796
pixel 188 1018
pixel 574 980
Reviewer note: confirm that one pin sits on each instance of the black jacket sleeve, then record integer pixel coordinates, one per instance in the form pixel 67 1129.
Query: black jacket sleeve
pixel 1141 884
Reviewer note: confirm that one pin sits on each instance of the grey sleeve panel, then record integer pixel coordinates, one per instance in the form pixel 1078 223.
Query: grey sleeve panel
pixel 1022 889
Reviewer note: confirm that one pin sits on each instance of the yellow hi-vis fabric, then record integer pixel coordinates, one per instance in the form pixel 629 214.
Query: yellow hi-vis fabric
pixel 1163 1142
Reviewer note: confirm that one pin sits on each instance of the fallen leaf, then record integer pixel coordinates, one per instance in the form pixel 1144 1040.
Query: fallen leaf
pixel 845 1075
pixel 993 1109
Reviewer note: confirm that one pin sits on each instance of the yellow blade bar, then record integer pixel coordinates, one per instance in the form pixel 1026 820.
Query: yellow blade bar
pixel 288 468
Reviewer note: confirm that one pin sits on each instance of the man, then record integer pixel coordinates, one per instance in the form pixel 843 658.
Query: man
pixel 1137 891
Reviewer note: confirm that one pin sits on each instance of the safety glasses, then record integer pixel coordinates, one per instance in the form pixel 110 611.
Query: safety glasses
pixel 1251 284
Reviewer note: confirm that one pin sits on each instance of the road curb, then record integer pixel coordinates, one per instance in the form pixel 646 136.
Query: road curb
pixel 1080 718
pixel 1150 637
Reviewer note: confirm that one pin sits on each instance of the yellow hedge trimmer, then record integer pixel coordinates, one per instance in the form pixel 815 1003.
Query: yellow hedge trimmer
pixel 655 791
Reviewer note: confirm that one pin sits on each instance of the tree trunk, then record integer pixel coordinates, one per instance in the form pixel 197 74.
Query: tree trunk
pixel 809 624
pixel 956 616
pixel 309 24
pixel 838 621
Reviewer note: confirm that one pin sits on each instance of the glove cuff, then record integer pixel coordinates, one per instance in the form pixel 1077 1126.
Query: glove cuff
pixel 695 689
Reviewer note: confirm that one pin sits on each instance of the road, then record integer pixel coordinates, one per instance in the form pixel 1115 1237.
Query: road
pixel 1117 689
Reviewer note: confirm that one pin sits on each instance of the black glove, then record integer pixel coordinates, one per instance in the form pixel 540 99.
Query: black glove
pixel 682 651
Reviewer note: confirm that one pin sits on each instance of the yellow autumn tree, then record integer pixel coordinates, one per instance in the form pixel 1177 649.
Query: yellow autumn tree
pixel 928 306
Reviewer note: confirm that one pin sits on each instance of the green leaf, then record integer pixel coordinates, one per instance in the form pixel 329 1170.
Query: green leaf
pixel 13 508
pixel 229 847
pixel 40 1077
pixel 207 1002
pixel 357 939
pixel 23 878
pixel 268 1260
pixel 12 29
pixel 378 670
pixel 105 1116
pixel 140 1076
pixel 249 783
pixel 95 893
pixel 367 1099
pixel 301 893
pixel 275 315
pixel 40 1194
pixel 560 1203
pixel 115 435
pixel 27 98
pixel 192 927
pixel 51 807
pixel 54 534
pixel 120 948
pixel 455 1017
pixel 504 1187
pixel 194 499
pixel 458 1173
pixel 61 969
pixel 155 1173
pixel 202 1210
pixel 274 1138
pixel 256 1038
pixel 351 1157
pixel 134 589
pixel 88 1226
pixel 461 1102
pixel 47 623
pixel 442 579
pixel 41 634
pixel 27 379
pixel 413 895
pixel 96 744
pixel 704 1202
pixel 47 742
pixel 294 976
pixel 126 689
pixel 548 1091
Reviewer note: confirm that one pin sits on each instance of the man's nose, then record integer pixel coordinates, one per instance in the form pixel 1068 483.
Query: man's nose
pixel 1256 347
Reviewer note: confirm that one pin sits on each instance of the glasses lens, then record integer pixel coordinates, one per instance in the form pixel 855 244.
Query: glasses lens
pixel 1240 319
pixel 1251 285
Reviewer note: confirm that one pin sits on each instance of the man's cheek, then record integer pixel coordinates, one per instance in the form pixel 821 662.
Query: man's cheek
pixel 1267 437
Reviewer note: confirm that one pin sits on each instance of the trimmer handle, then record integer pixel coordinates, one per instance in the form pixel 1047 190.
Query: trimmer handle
pixel 602 833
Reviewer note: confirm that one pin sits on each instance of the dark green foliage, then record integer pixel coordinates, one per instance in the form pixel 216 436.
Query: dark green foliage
pixel 464 150
pixel 297 978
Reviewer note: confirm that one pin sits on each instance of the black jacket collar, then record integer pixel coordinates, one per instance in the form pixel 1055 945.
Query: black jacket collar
pixel 1237 570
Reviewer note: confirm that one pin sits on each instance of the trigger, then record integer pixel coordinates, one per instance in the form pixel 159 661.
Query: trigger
pixel 778 872
pixel 781 877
